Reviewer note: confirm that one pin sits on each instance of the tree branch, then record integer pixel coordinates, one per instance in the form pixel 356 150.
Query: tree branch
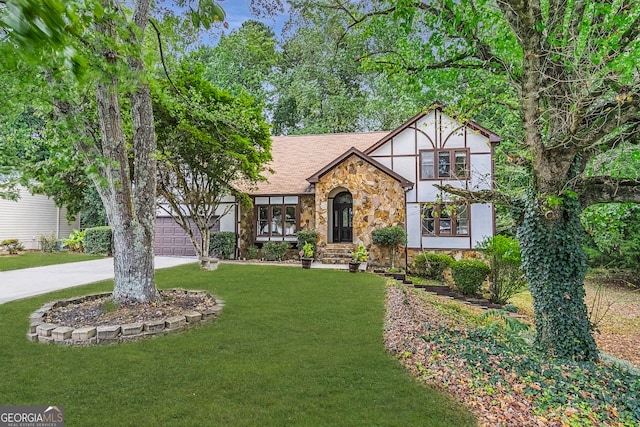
pixel 479 196
pixel 605 189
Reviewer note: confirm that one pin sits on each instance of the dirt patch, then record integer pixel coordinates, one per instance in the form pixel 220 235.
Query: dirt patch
pixel 102 311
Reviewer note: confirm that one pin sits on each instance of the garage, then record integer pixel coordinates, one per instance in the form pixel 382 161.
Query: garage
pixel 171 240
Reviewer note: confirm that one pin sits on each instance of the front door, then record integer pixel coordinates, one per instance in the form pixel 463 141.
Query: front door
pixel 343 218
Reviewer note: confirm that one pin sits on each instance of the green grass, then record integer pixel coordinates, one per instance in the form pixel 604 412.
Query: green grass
pixel 38 259
pixel 292 347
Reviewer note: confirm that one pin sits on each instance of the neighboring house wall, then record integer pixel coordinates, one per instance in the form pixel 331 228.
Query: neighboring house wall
pixel 437 150
pixel 378 201
pixel 31 216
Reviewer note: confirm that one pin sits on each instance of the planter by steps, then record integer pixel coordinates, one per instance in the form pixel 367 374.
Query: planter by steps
pixel 306 262
pixel 354 267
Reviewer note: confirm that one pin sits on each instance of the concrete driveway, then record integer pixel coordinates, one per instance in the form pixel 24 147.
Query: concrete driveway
pixel 19 284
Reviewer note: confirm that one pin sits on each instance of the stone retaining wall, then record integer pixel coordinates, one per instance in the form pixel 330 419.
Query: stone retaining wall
pixel 50 333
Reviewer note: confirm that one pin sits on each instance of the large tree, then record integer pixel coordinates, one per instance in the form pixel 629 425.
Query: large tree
pixel 568 71
pixel 209 143
pixel 97 46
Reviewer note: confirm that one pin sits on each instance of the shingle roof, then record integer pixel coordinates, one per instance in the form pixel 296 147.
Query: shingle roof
pixel 295 158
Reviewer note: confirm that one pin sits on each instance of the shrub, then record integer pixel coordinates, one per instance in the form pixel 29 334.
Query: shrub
pixel 49 242
pixel 252 252
pixel 390 237
pixel 222 244
pixel 97 240
pixel 468 275
pixel 307 236
pixel 506 278
pixel 74 242
pixel 12 245
pixel 275 251
pixel 431 266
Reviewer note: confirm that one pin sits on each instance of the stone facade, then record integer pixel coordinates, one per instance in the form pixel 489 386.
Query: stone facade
pixel 246 230
pixel 307 212
pixel 378 201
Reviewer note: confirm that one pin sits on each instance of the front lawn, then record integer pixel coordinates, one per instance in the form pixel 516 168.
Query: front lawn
pixel 37 259
pixel 292 347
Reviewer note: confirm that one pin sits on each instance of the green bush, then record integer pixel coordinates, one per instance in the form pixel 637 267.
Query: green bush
pixel 252 252
pixel 275 251
pixel 12 245
pixel 468 275
pixel 431 266
pixel 75 241
pixel 390 237
pixel 49 242
pixel 506 278
pixel 307 236
pixel 222 244
pixel 97 240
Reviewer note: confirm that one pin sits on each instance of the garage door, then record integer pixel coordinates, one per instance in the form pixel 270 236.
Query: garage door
pixel 171 240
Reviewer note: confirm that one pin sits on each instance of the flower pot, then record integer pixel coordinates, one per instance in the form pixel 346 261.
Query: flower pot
pixel 306 262
pixel 354 267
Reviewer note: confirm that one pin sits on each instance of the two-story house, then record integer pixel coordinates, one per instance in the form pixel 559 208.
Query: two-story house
pixel 344 186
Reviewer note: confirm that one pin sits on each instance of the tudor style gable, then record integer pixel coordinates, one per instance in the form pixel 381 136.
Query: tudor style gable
pixel 431 149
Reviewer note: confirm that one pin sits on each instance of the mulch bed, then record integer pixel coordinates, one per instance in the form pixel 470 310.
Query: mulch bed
pixel 501 387
pixel 100 312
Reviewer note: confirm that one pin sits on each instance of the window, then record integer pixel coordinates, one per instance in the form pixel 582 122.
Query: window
pixel 447 219
pixel 276 220
pixel 444 164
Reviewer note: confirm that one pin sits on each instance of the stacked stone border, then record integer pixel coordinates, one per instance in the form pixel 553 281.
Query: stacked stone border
pixel 50 333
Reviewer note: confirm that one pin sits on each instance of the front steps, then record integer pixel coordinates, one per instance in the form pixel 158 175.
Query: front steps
pixel 338 253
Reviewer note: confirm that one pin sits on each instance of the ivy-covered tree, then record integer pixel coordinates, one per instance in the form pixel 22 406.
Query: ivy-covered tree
pixel 208 143
pixel 567 71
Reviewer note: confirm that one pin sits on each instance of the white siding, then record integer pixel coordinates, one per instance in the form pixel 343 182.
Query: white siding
pixel 32 216
pixel 480 172
pixel 404 142
pixel 482 226
pixel 414 225
pixel 445 242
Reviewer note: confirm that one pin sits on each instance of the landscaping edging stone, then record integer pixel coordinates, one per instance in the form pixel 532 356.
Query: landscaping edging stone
pixel 50 333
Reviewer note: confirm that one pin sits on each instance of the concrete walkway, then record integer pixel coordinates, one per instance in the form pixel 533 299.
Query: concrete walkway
pixel 19 284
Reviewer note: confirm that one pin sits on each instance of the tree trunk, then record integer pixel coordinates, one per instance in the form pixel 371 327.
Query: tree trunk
pixel 555 265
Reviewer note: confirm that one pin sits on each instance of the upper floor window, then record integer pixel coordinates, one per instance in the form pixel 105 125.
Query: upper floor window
pixel 445 219
pixel 444 164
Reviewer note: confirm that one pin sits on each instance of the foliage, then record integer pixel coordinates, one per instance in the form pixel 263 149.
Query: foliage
pixel 390 237
pixel 275 251
pixel 307 251
pixel 242 61
pixel 306 236
pixel 360 255
pixel 252 252
pixel 613 235
pixel 557 247
pixel 208 141
pixel 223 244
pixel 98 240
pixel 468 275
pixel 432 266
pixel 92 213
pixel 74 242
pixel 48 242
pixel 13 246
pixel 506 278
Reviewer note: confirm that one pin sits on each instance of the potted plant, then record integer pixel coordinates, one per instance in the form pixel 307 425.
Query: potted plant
pixel 357 257
pixel 306 255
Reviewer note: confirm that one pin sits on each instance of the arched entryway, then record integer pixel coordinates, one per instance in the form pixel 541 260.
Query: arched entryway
pixel 342 218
